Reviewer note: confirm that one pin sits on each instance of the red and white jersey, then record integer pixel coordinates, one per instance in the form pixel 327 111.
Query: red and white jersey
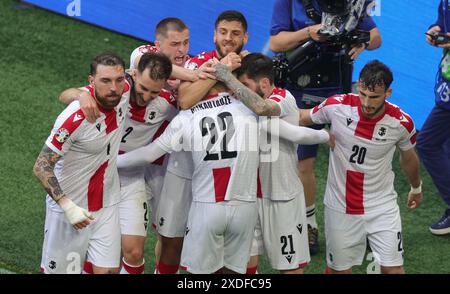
pixel 87 171
pixel 139 51
pixel 360 176
pixel 179 163
pixel 197 61
pixel 222 135
pixel 144 124
pixel 279 177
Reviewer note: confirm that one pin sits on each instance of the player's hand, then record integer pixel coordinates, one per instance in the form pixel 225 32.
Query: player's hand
pixel 232 60
pixel 356 50
pixel 414 200
pixel 314 33
pixel 435 29
pixel 332 141
pixel 223 72
pixel 89 107
pixel 206 71
pixel 172 85
pixel 77 216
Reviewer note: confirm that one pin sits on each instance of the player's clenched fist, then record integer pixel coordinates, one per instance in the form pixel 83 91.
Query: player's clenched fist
pixel 77 216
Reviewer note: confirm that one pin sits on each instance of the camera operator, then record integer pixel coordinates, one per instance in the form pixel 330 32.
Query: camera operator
pixel 295 22
pixel 433 142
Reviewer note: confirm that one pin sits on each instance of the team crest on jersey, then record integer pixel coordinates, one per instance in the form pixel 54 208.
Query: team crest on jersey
pixel 381 133
pixel 62 135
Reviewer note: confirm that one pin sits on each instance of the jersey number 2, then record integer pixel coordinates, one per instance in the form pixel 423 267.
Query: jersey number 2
pixel 208 126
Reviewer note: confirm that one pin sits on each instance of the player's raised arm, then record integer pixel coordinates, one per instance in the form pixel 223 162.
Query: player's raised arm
pixel 87 103
pixel 259 105
pixel 409 162
pixel 190 93
pixel 44 171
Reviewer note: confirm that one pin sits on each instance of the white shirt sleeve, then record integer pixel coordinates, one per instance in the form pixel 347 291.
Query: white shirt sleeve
pixel 408 137
pixel 296 134
pixel 319 114
pixel 141 156
pixel 66 129
pixel 170 140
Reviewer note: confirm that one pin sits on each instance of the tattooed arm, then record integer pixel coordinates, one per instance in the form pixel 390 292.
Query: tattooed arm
pixel 256 103
pixel 44 171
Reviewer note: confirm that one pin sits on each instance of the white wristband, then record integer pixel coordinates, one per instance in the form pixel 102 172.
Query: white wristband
pixel 416 190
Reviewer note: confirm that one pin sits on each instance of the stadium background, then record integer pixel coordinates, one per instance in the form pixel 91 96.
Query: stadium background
pixel 43 53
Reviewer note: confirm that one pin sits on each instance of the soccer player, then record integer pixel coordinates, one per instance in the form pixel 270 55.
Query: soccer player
pixel 77 167
pixel 281 230
pixel 220 133
pixel 230 36
pixel 360 200
pixel 151 109
pixel 172 39
pixel 298 22
pixel 170 186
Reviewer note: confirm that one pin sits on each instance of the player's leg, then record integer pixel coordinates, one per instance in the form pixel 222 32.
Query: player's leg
pixel 203 250
pixel 173 211
pixel 385 237
pixel 64 248
pixel 133 254
pixel 241 218
pixel 345 236
pixel 154 179
pixel 133 211
pixel 341 272
pixel 433 145
pixel 307 155
pixel 252 265
pixel 104 245
pixel 169 261
pixel 257 244
pixel 392 270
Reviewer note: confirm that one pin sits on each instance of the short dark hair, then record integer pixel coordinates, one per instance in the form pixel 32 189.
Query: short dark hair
pixel 159 65
pixel 169 24
pixel 375 73
pixel 105 58
pixel 232 15
pixel 256 66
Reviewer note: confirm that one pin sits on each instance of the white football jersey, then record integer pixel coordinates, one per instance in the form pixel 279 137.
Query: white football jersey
pixel 144 124
pixel 279 176
pixel 87 171
pixel 179 163
pixel 360 176
pixel 222 135
pixel 139 51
